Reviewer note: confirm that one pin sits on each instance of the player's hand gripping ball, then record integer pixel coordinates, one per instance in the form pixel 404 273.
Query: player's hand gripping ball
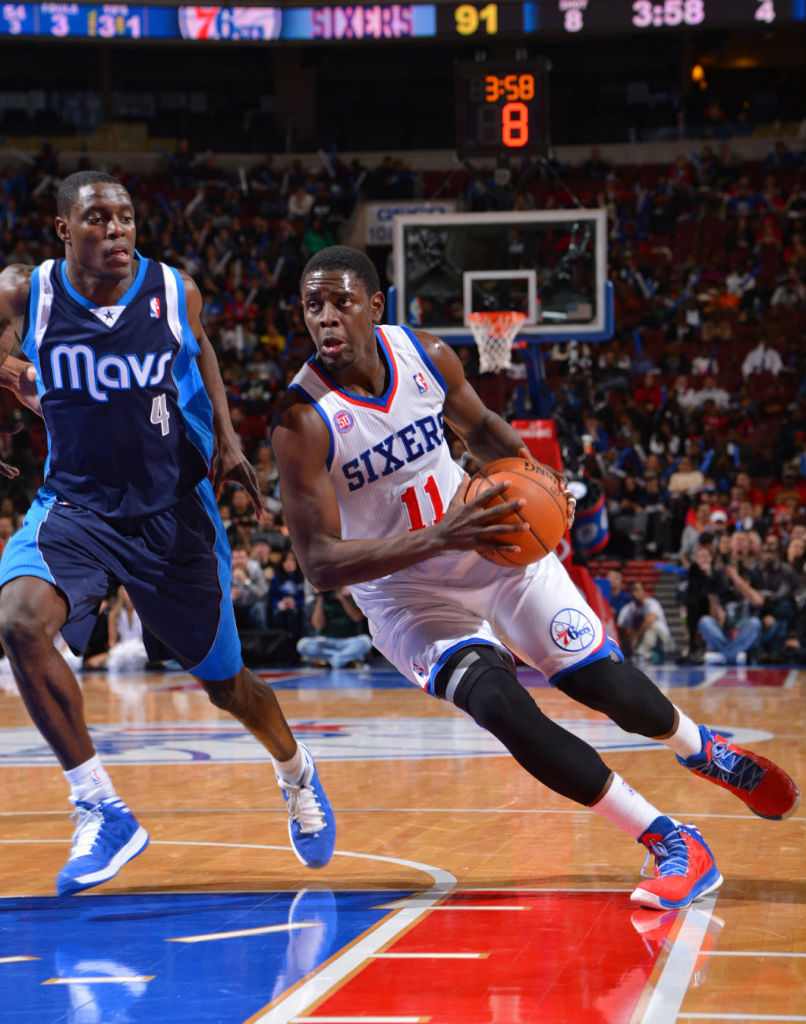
pixel 544 511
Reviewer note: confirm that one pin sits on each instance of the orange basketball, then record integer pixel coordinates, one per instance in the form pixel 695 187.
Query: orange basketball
pixel 544 511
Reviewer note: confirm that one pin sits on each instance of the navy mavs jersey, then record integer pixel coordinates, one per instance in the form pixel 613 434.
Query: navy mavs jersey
pixel 129 423
pixel 126 498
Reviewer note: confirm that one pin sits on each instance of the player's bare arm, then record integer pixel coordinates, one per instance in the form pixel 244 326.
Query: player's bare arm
pixel 486 435
pixel 301 443
pixel 15 287
pixel 230 462
pixel 17 375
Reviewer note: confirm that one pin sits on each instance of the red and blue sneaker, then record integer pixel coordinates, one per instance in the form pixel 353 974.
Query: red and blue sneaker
pixel 766 789
pixel 684 866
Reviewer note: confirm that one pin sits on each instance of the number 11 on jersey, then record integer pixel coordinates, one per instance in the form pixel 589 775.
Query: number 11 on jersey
pixel 411 500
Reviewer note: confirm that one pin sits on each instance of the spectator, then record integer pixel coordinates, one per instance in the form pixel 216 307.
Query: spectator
pixel 696 533
pixel 788 484
pixel 287 597
pixel 643 628
pixel 711 391
pixel 655 501
pixel 317 236
pixel 619 596
pixel 249 589
pixel 791 292
pixel 340 634
pixel 595 167
pixel 273 533
pixel 628 517
pixel 685 480
pixel 730 630
pixel 242 517
pixel 6 530
pixel 702 580
pixel 771 588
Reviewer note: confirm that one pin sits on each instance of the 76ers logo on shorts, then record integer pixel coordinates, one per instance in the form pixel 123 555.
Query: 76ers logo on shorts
pixel 571 630
pixel 343 421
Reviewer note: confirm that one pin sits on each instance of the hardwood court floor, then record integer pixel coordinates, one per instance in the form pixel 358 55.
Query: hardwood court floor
pixel 461 891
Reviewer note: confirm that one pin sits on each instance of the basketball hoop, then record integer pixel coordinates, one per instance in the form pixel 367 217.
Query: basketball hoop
pixel 494 333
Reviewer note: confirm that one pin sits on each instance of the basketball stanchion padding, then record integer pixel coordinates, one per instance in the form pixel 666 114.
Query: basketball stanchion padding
pixel 544 511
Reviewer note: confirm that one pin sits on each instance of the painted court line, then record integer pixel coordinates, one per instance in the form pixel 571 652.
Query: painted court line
pixel 290 1007
pixel 663 1006
pixel 751 952
pixel 430 956
pixel 212 936
pixel 745 1018
pixel 352 1019
pixel 100 979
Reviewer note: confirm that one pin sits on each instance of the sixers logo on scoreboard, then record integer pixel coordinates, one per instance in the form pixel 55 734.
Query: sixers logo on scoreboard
pixel 343 421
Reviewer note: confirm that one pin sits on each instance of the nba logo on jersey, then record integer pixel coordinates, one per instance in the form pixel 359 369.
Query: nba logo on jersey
pixel 421 382
pixel 154 307
pixel 343 420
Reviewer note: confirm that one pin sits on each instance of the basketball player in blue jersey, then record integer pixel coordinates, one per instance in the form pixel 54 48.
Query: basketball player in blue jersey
pixel 119 367
pixel 374 501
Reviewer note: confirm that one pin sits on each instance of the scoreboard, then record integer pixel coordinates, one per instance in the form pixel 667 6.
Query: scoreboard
pixel 502 107
pixel 358 22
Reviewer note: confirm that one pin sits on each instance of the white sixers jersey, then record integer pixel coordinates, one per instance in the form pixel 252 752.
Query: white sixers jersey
pixel 389 460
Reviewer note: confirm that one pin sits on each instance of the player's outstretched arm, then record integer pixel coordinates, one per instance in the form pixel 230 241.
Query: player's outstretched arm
pixel 301 444
pixel 230 462
pixel 486 435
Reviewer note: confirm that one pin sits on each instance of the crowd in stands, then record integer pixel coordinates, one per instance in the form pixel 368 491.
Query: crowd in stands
pixel 692 419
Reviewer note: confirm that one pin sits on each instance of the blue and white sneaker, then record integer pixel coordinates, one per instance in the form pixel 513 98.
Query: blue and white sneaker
pixel 311 824
pixel 107 835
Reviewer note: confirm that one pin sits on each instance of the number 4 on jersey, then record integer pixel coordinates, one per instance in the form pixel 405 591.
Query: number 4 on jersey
pixel 159 413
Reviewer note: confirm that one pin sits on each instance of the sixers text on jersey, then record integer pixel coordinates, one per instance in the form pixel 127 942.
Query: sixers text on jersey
pixel 412 441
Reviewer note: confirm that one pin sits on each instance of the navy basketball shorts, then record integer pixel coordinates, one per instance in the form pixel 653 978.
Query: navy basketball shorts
pixel 176 566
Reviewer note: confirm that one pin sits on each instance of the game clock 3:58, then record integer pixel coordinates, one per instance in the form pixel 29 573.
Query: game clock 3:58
pixel 502 108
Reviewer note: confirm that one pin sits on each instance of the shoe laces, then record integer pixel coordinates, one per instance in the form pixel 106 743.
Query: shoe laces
pixel 88 819
pixel 730 766
pixel 670 853
pixel 303 806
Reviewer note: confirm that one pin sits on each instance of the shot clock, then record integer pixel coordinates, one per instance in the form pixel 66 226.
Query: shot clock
pixel 502 108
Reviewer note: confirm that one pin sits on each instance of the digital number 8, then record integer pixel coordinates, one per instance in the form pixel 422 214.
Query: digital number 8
pixel 514 125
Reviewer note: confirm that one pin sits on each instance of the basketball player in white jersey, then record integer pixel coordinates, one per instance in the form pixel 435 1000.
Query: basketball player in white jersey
pixel 374 501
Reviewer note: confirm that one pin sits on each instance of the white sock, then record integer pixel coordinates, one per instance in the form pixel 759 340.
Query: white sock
pixel 292 770
pixel 89 782
pixel 685 741
pixel 625 808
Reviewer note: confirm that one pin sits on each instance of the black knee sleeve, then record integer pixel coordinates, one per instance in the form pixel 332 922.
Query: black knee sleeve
pixel 621 691
pixel 481 680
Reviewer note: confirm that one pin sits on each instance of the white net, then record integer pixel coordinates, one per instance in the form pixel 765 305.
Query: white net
pixel 494 333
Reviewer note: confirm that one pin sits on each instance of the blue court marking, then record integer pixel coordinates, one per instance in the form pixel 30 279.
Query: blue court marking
pixel 115 958
pixel 388 678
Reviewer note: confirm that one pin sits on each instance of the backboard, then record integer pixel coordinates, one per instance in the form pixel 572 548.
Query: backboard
pixel 550 265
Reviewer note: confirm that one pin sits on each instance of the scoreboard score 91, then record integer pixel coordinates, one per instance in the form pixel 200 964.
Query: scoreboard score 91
pixel 502 108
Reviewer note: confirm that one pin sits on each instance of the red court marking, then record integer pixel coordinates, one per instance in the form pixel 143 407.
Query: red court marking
pixel 565 958
pixel 753 677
